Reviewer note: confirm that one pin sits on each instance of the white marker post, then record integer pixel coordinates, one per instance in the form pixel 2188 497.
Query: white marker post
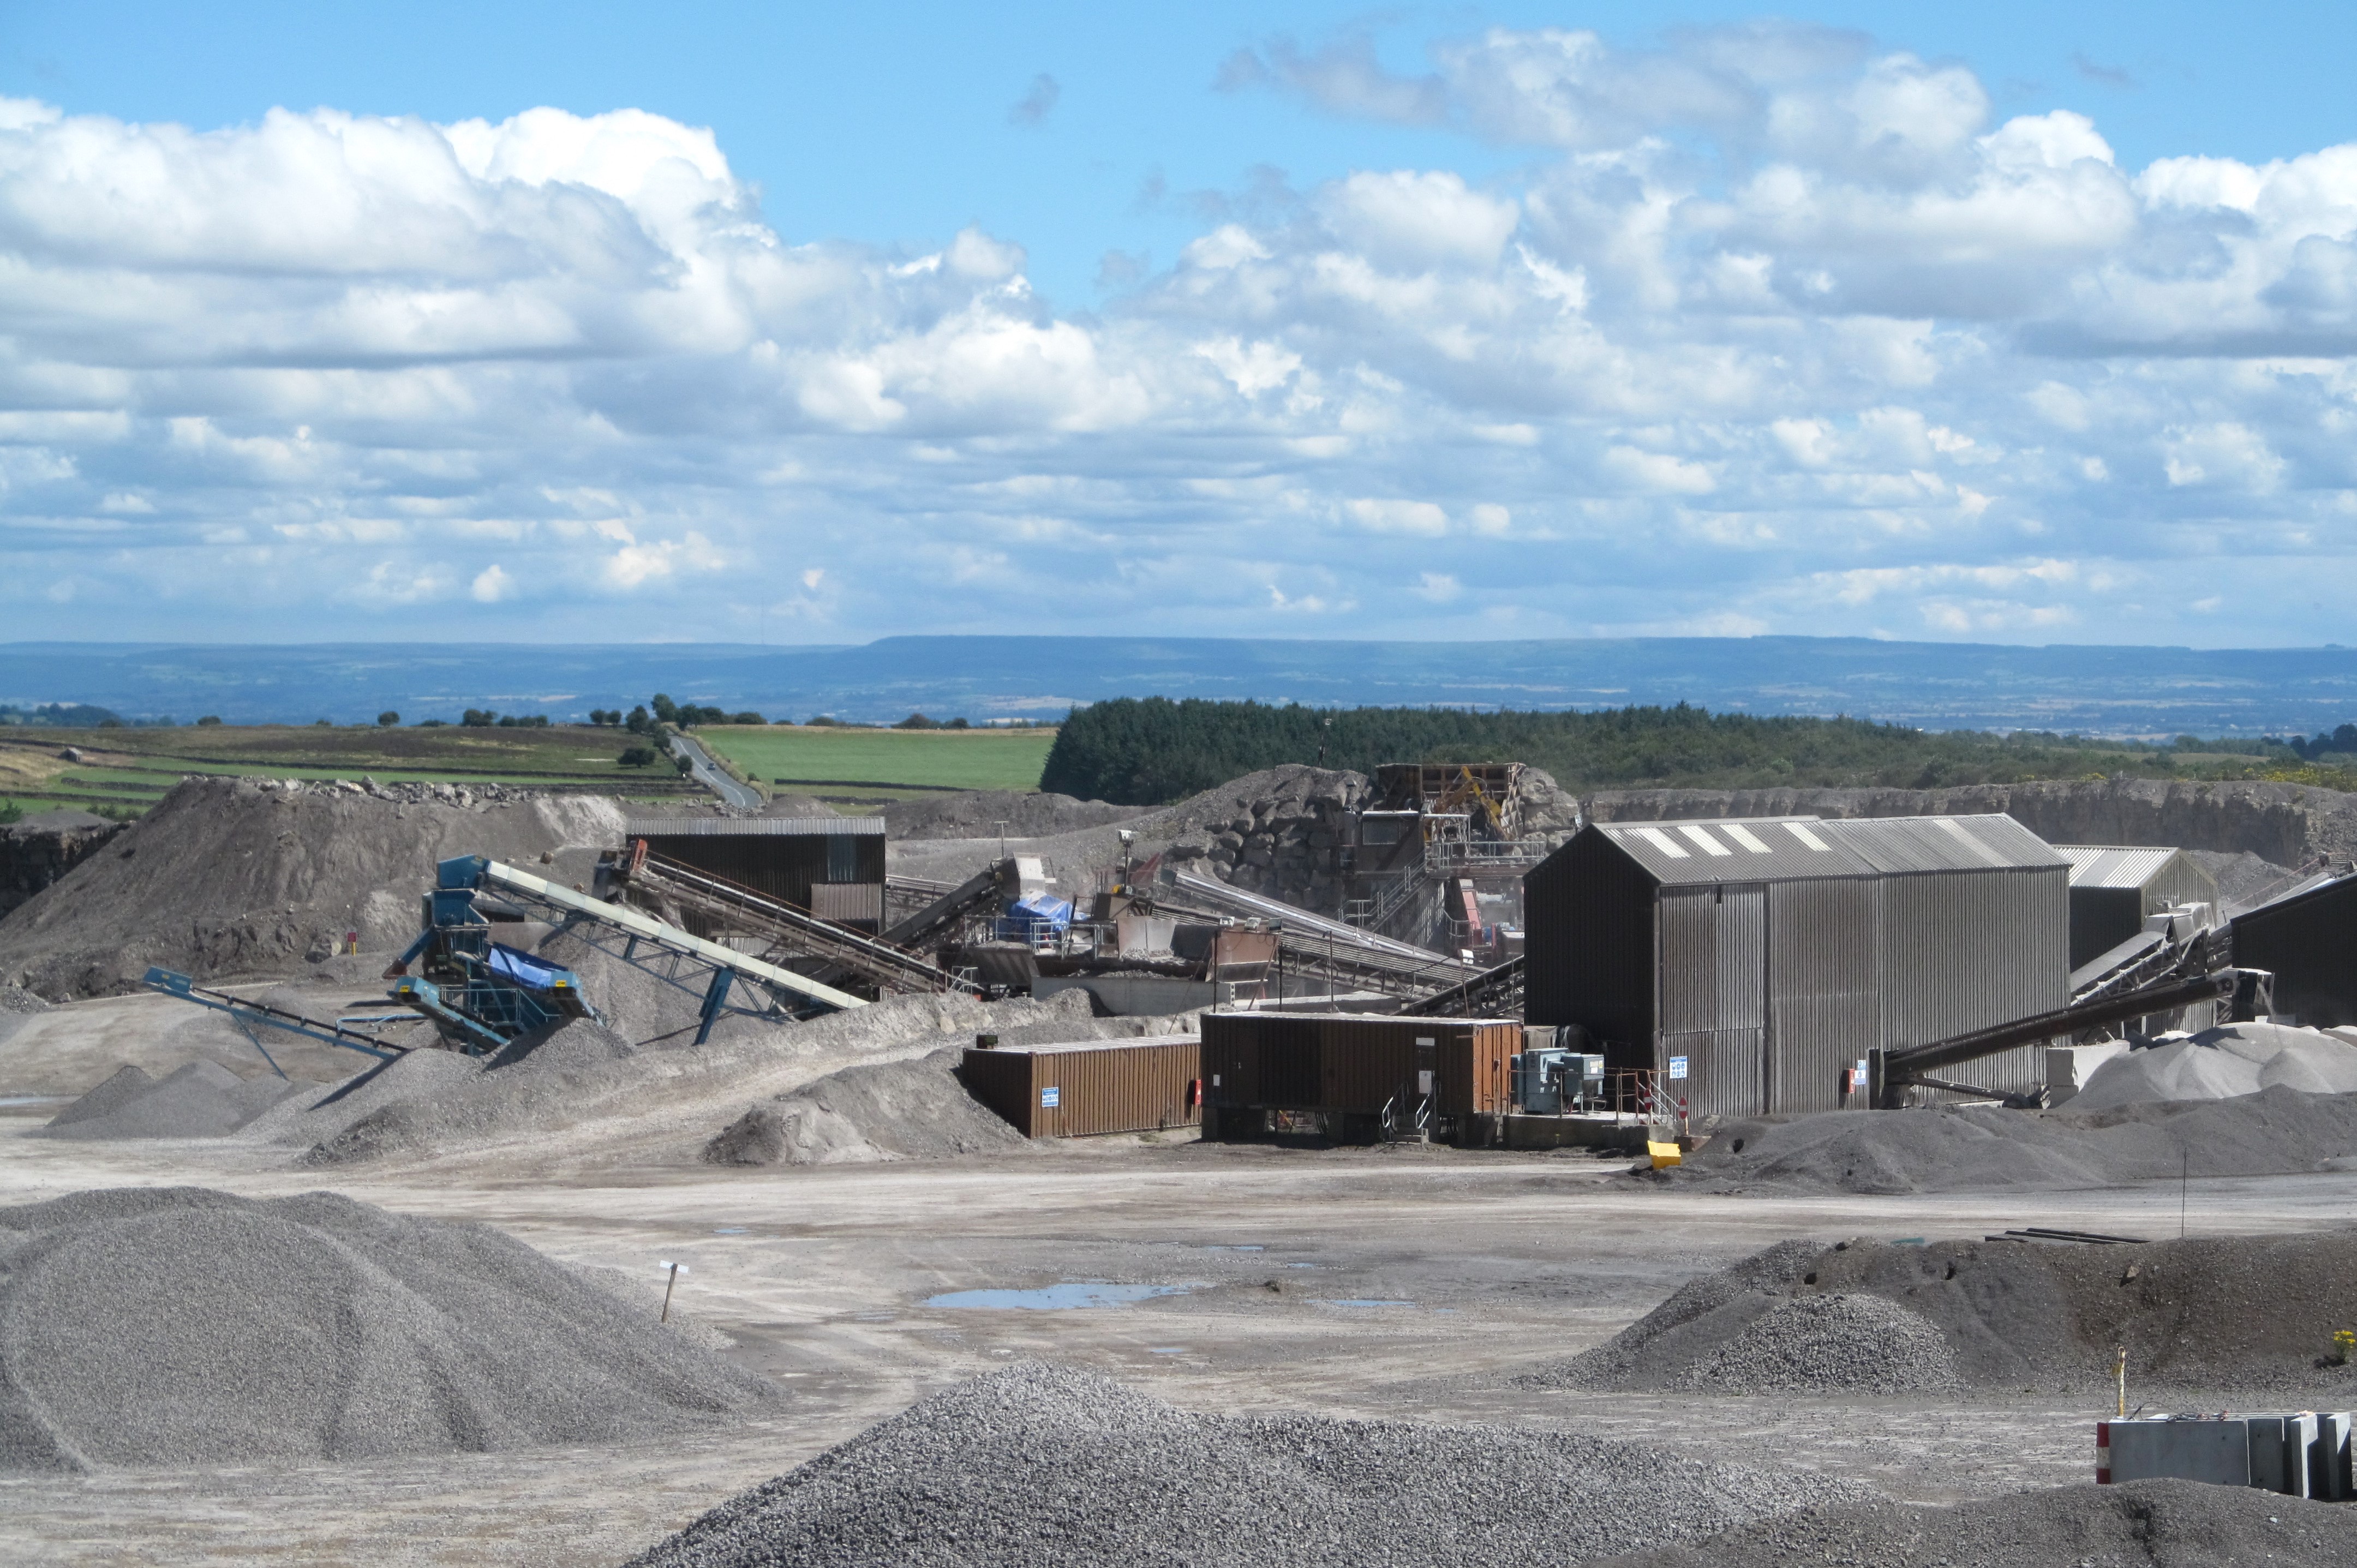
pixel 669 1285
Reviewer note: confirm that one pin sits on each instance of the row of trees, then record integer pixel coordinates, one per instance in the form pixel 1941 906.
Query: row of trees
pixel 1152 750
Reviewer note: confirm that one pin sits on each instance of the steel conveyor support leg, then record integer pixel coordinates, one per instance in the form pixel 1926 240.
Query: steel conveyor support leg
pixel 714 1000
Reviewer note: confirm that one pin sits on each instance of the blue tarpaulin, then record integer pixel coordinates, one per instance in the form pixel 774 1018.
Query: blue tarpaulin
pixel 1041 914
pixel 523 969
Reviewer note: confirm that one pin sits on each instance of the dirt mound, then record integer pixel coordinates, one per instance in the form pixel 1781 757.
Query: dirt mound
pixel 888 1110
pixel 979 813
pixel 2249 1316
pixel 200 1099
pixel 143 1327
pixel 1042 1464
pixel 1981 1148
pixel 238 878
pixel 2142 1524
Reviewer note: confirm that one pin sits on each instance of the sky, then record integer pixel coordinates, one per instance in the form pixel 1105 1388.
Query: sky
pixel 787 324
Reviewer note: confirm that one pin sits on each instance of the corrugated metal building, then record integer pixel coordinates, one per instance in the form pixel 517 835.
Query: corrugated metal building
pixel 1348 1067
pixel 832 867
pixel 1091 1086
pixel 2115 886
pixel 1772 953
pixel 2308 941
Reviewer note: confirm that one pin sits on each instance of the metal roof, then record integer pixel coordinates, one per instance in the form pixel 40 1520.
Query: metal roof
pixel 2113 865
pixel 754 827
pixel 1798 848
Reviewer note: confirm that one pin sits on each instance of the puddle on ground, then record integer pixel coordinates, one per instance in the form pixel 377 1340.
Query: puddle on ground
pixel 1165 1349
pixel 1364 1300
pixel 10 1102
pixel 1068 1296
pixel 732 1230
pixel 1216 1247
pixel 1300 1265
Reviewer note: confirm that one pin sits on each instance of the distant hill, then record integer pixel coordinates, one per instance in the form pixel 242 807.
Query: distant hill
pixel 2141 691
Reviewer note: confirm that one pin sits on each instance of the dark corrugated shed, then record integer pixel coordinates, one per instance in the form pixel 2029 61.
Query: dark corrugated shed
pixel 2115 886
pixel 783 857
pixel 2308 941
pixel 1772 953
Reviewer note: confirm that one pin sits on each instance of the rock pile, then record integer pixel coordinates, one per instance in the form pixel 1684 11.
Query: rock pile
pixel 201 1099
pixel 175 1326
pixel 233 877
pixel 2221 1064
pixel 883 1111
pixel 2143 1524
pixel 2250 1316
pixel 1982 1148
pixel 1044 1465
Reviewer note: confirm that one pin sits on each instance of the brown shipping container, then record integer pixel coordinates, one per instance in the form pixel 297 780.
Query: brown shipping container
pixel 1093 1086
pixel 1356 1063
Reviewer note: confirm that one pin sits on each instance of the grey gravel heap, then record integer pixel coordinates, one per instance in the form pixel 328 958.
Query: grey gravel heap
pixel 2143 1524
pixel 1042 1465
pixel 176 1325
pixel 199 1100
pixel 2236 1318
pixel 882 1110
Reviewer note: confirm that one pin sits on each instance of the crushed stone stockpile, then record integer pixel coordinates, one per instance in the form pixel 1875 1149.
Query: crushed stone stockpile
pixel 176 1325
pixel 1043 1464
pixel 2141 1524
pixel 1982 1148
pixel 2221 1064
pixel 242 877
pixel 2251 1316
pixel 979 813
pixel 200 1099
pixel 914 1109
pixel 585 1086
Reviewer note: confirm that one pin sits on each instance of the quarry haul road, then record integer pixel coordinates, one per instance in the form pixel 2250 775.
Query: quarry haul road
pixel 1409 1285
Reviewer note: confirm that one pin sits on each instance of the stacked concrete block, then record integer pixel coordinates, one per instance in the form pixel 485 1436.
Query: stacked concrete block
pixel 2297 1453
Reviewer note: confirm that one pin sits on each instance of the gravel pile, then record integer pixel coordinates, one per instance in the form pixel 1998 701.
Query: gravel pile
pixel 160 1327
pixel 199 1100
pixel 533 1084
pixel 1982 1148
pixel 1040 1465
pixel 884 1110
pixel 18 1002
pixel 2244 880
pixel 242 877
pixel 1853 1344
pixel 320 1114
pixel 2250 1316
pixel 977 813
pixel 913 1110
pixel 2142 1524
pixel 2223 1063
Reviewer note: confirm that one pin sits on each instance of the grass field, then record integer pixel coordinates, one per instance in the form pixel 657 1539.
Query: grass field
pixel 858 766
pixel 127 770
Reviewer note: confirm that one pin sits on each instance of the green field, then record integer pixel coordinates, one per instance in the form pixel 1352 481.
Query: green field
pixel 127 770
pixel 865 766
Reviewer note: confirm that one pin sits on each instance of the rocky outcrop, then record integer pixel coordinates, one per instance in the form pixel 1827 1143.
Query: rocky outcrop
pixel 2289 824
pixel 1274 831
pixel 39 850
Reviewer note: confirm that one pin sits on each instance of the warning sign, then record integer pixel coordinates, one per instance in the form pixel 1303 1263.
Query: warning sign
pixel 1677 1066
pixel 1048 1097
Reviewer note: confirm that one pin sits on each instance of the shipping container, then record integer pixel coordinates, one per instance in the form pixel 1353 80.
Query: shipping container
pixel 1090 1087
pixel 1351 1069
pixel 2115 886
pixel 1755 964
pixel 808 862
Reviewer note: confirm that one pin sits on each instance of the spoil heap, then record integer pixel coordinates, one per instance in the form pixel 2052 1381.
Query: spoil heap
pixel 200 1099
pixel 985 813
pixel 2248 1316
pixel 1980 1148
pixel 2142 1524
pixel 233 877
pixel 149 1326
pixel 1041 1465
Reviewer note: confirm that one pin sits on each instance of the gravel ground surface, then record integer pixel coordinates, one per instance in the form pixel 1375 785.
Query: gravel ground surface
pixel 177 1325
pixel 2143 1524
pixel 1986 1148
pixel 2242 1316
pixel 1045 1465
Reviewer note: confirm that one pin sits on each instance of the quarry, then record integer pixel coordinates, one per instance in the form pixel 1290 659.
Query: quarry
pixel 1434 1165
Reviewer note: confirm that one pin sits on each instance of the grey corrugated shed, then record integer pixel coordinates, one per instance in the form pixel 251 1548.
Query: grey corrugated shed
pixel 2113 865
pixel 1757 849
pixel 1988 842
pixel 754 827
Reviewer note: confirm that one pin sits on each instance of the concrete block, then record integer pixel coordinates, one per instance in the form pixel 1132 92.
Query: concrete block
pixel 2300 1438
pixel 2327 1458
pixel 2266 1469
pixel 2159 1448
